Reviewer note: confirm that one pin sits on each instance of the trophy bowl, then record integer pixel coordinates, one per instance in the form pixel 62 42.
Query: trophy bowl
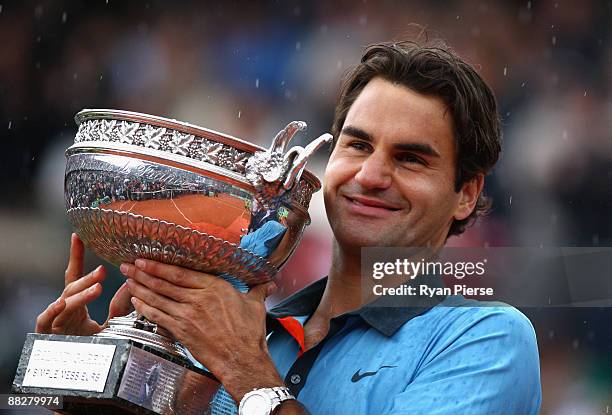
pixel 142 186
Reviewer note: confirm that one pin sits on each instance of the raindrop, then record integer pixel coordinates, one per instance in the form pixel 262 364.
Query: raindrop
pixel 282 83
pixel 100 77
pixel 556 5
pixel 0 8
pixel 38 39
pixel 298 46
pixel 585 93
pixel 10 124
pixel 457 18
pixel 339 65
pixel 576 344
pixel 106 1
pixel 523 84
pixel 528 5
pixel 38 11
pixel 551 334
pixel 64 17
pixel 510 201
pixel 508 114
pixel 239 113
pixel 297 11
pixel 554 40
pixel 75 76
pixel 257 83
pixel 505 71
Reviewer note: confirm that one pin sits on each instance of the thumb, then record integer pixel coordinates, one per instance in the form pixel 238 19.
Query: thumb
pixel 120 305
pixel 261 291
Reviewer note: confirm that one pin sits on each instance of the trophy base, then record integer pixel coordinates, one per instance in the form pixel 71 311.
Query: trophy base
pixel 99 375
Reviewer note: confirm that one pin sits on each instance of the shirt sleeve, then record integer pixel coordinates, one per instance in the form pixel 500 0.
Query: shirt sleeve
pixel 486 364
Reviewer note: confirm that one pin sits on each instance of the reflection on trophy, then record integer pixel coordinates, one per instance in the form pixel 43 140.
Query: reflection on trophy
pixel 140 186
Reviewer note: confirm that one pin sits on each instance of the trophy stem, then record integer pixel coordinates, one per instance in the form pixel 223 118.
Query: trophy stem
pixel 136 327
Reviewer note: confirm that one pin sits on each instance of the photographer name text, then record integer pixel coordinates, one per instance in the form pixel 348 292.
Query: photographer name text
pixel 427 291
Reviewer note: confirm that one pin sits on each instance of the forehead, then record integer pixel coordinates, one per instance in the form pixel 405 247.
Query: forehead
pixel 389 111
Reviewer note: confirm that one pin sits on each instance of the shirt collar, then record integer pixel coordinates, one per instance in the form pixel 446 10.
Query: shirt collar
pixel 385 314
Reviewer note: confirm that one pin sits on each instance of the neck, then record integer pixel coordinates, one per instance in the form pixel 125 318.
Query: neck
pixel 343 291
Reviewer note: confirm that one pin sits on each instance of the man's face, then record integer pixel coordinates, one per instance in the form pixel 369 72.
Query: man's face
pixel 390 179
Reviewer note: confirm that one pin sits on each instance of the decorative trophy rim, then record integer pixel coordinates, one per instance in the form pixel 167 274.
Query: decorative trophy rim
pixel 180 126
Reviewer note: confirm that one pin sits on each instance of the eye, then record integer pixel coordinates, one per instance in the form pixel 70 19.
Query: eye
pixel 359 145
pixel 410 158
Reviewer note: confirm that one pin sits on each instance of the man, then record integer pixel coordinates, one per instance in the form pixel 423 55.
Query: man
pixel 415 131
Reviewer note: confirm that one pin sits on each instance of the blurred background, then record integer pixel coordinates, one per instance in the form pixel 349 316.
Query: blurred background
pixel 248 68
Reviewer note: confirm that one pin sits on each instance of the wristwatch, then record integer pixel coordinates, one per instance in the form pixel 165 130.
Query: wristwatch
pixel 263 401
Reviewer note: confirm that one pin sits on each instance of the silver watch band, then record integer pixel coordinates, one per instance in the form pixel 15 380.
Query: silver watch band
pixel 282 394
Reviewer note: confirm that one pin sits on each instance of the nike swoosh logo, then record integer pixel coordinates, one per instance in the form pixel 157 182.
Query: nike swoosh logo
pixel 358 376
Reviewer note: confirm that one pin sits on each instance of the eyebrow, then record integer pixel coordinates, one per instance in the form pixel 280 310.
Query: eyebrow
pixel 421 148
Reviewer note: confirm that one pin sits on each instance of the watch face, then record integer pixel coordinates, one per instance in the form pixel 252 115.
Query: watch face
pixel 256 404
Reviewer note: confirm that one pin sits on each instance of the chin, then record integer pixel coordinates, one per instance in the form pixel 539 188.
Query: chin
pixel 355 240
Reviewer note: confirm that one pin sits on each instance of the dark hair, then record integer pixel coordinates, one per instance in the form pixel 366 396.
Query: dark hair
pixel 435 69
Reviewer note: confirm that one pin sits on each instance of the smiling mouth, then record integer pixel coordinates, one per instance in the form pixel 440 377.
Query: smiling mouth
pixel 364 205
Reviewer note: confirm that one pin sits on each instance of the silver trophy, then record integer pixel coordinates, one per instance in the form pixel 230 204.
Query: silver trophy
pixel 141 186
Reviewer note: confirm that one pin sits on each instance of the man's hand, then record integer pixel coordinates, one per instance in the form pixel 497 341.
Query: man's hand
pixel 69 314
pixel 223 328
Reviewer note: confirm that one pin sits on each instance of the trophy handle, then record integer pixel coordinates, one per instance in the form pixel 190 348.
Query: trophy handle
pixel 298 157
pixel 279 144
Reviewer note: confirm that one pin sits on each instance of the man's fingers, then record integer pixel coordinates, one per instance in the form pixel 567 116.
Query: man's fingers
pixel 97 275
pixel 262 291
pixel 44 322
pixel 74 271
pixel 159 285
pixel 176 275
pixel 153 314
pixel 83 298
pixel 153 299
pixel 120 305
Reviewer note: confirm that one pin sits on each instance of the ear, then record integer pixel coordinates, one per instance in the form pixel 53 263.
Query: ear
pixel 468 196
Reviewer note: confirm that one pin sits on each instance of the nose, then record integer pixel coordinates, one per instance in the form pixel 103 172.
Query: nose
pixel 375 172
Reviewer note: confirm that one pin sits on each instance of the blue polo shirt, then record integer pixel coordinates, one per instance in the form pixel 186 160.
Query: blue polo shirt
pixel 451 356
